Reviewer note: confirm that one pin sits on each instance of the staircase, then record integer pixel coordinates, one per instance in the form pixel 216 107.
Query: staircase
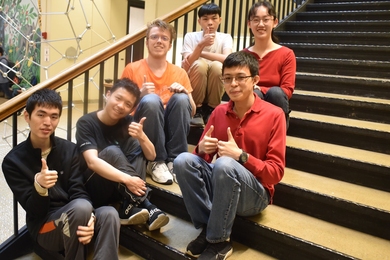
pixel 333 202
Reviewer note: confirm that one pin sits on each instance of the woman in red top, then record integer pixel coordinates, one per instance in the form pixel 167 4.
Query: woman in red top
pixel 277 64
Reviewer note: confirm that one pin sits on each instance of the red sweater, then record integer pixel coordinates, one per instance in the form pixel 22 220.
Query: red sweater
pixel 261 133
pixel 277 68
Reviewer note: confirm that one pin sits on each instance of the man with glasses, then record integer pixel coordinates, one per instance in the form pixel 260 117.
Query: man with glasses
pixel 248 137
pixel 166 100
pixel 203 54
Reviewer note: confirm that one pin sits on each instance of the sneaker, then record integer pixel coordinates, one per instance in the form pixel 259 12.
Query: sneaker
pixel 157 218
pixel 131 215
pixel 198 245
pixel 197 120
pixel 170 168
pixel 220 251
pixel 159 172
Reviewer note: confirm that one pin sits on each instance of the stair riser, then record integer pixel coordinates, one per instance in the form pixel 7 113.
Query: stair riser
pixel 360 173
pixel 341 212
pixel 351 16
pixel 342 108
pixel 341 135
pixel 334 38
pixel 342 52
pixel 332 26
pixel 347 7
pixel 353 87
pixel 358 68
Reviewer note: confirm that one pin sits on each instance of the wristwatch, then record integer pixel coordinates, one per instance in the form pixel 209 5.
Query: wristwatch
pixel 243 157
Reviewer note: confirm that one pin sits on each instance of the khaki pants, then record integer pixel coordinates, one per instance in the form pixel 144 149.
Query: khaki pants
pixel 206 82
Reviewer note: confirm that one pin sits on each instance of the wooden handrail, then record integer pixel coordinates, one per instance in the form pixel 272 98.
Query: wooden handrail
pixel 13 105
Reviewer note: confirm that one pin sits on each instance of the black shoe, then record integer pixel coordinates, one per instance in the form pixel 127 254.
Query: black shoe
pixel 219 251
pixel 157 218
pixel 207 110
pixel 198 245
pixel 197 120
pixel 131 215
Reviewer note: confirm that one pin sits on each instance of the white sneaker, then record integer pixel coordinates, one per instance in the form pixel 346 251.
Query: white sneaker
pixel 159 172
pixel 170 168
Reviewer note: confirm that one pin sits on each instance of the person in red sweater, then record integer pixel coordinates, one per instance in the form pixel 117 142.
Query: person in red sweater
pixel 277 64
pixel 248 136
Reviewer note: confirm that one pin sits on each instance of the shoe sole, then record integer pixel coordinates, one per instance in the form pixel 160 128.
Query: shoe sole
pixel 139 218
pixel 159 222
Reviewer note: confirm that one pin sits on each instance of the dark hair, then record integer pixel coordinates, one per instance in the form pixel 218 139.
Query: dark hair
pixel 271 12
pixel 1 50
pixel 209 9
pixel 44 98
pixel 241 59
pixel 130 86
pixel 162 25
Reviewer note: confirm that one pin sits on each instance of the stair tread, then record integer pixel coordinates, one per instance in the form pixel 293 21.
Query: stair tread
pixel 339 151
pixel 326 234
pixel 342 97
pixel 362 124
pixel 178 233
pixel 344 60
pixel 340 189
pixel 323 75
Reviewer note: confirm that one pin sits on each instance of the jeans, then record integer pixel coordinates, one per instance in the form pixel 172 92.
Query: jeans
pixel 166 128
pixel 59 231
pixel 215 193
pixel 4 87
pixel 277 97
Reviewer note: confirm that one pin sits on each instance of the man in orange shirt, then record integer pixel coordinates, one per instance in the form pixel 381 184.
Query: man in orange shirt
pixel 166 100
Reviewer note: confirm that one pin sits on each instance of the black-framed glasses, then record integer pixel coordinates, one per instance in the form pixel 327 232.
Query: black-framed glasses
pixel 227 80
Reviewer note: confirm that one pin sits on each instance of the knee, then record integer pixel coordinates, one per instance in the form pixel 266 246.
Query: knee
pixel 81 210
pixel 151 101
pixel 182 162
pixel 276 93
pixel 222 166
pixel 199 67
pixel 215 68
pixel 180 99
pixel 108 214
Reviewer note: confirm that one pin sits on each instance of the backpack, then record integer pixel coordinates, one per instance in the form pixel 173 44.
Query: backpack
pixel 11 72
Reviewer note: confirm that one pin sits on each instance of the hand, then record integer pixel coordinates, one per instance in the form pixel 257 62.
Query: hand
pixel 185 64
pixel 208 144
pixel 136 185
pixel 85 233
pixel 46 178
pixel 229 148
pixel 136 129
pixel 178 88
pixel 208 38
pixel 147 87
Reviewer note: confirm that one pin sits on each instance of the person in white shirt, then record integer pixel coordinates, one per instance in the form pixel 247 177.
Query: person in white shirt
pixel 203 54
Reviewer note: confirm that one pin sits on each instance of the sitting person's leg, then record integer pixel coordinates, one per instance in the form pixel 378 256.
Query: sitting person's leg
pixel 215 89
pixel 276 96
pixel 59 232
pixel 198 77
pixel 152 108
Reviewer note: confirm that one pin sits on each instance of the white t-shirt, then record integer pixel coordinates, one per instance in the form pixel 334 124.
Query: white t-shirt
pixel 222 41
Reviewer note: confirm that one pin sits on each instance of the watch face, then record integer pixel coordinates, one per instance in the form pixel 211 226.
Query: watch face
pixel 243 157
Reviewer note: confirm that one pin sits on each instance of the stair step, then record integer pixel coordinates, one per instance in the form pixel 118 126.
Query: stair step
pixel 347 37
pixel 340 51
pixel 352 165
pixel 374 5
pixel 344 15
pixel 349 67
pixel 292 233
pixel 336 130
pixel 339 26
pixel 353 107
pixel 173 240
pixel 340 84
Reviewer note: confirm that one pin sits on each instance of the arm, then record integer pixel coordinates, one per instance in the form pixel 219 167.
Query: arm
pixel 136 131
pixel 287 80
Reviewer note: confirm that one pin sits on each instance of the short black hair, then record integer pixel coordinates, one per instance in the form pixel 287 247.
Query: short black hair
pixel 242 59
pixel 44 98
pixel 209 9
pixel 130 86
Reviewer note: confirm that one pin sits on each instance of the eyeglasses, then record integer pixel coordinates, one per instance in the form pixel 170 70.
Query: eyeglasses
pixel 257 20
pixel 227 80
pixel 155 37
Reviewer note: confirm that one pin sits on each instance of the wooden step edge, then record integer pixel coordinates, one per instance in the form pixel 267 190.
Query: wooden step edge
pixel 343 77
pixel 344 152
pixel 345 61
pixel 341 97
pixel 340 189
pixel 341 121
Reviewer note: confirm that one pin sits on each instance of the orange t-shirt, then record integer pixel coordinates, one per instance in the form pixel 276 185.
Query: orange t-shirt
pixel 136 71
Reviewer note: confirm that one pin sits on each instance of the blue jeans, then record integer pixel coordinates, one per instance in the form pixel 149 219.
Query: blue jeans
pixel 166 128
pixel 215 193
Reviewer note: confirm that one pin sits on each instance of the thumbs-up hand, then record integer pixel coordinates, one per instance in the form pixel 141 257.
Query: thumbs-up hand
pixel 229 148
pixel 208 144
pixel 46 178
pixel 147 87
pixel 136 129
pixel 208 38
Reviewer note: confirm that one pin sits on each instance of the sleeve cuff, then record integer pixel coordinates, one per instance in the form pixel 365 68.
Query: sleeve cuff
pixel 41 191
